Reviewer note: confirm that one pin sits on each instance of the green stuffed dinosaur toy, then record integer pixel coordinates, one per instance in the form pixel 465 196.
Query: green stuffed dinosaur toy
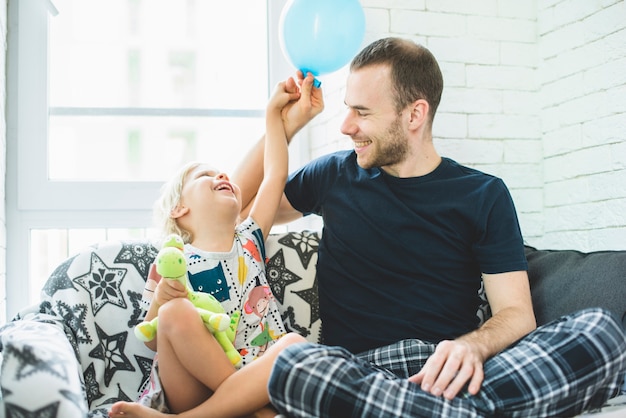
pixel 172 265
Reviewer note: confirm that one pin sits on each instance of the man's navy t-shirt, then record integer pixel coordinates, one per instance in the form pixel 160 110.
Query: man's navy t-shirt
pixel 402 257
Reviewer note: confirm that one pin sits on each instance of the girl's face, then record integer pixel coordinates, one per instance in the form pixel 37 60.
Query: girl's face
pixel 205 189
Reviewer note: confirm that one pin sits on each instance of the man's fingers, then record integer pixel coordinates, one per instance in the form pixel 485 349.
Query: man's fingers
pixel 448 373
pixel 434 365
pixel 449 369
pixel 461 378
pixel 417 378
pixel 300 76
pixel 306 86
pixel 477 379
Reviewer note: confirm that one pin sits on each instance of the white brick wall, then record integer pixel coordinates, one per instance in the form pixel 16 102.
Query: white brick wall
pixel 582 71
pixel 534 93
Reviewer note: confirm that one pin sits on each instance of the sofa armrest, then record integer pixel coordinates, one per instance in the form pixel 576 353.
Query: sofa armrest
pixel 40 373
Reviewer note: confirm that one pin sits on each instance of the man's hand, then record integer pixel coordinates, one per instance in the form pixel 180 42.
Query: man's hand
pixel 298 113
pixel 450 368
pixel 459 362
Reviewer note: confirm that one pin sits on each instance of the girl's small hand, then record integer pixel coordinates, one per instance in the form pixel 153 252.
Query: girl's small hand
pixel 167 290
pixel 284 93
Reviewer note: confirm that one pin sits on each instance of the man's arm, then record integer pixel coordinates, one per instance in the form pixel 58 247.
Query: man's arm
pixel 459 362
pixel 295 115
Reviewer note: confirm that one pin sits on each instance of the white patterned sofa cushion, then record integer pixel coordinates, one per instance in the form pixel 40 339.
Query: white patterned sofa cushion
pixel 76 350
pixel 74 354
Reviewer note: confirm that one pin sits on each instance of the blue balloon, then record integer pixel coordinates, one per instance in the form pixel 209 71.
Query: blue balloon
pixel 321 36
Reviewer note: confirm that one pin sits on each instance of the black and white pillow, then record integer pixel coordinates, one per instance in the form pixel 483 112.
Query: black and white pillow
pixel 291 265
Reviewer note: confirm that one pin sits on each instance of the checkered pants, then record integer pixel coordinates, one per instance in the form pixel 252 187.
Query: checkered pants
pixel 561 369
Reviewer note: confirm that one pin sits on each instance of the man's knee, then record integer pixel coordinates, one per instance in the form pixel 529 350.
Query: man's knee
pixel 601 321
pixel 298 365
pixel 287 362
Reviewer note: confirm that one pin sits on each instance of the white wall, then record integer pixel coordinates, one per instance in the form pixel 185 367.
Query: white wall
pixel 582 101
pixel 534 93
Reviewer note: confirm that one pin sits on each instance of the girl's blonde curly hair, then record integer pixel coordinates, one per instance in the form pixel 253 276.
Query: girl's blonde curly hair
pixel 169 198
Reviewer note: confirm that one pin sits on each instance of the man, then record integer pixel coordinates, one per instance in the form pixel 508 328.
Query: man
pixel 408 237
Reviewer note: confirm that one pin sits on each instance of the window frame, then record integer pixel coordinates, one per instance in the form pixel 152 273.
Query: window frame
pixel 33 201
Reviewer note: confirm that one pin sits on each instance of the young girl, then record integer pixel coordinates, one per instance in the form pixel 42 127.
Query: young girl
pixel 227 259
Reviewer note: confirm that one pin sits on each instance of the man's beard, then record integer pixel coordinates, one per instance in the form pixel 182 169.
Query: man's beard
pixel 389 149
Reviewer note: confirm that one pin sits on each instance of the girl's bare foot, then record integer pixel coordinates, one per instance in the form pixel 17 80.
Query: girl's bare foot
pixel 134 410
pixel 266 412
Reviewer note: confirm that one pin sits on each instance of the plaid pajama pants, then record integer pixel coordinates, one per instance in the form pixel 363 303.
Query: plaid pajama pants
pixel 561 369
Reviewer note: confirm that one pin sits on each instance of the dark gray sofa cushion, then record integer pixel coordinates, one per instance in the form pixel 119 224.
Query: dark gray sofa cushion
pixel 564 281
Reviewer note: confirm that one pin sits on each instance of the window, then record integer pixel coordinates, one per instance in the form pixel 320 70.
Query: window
pixel 148 85
pixel 106 98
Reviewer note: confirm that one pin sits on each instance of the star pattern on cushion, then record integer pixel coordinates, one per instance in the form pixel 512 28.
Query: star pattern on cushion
pixel 278 276
pixel 103 284
pixel 138 312
pixel 45 307
pixel 76 398
pixel 99 413
pixel 92 387
pixel 305 243
pixel 139 254
pixel 59 279
pixel 48 411
pixel 311 297
pixel 32 361
pixel 121 396
pixel 289 319
pixel 74 317
pixel 145 365
pixel 110 349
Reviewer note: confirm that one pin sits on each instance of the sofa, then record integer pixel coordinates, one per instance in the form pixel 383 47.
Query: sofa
pixel 74 354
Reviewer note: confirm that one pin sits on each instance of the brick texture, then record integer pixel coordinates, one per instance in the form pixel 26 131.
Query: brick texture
pixel 534 93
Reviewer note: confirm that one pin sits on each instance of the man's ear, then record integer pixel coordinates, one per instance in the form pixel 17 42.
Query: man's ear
pixel 418 115
pixel 179 211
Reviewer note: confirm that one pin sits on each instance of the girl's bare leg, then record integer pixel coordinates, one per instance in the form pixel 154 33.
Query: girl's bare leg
pixel 135 410
pixel 192 364
pixel 243 393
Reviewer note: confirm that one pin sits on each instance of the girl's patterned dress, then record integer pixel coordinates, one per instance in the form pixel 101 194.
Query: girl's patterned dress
pixel 237 280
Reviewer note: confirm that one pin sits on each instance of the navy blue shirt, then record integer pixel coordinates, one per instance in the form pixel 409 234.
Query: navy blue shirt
pixel 402 257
